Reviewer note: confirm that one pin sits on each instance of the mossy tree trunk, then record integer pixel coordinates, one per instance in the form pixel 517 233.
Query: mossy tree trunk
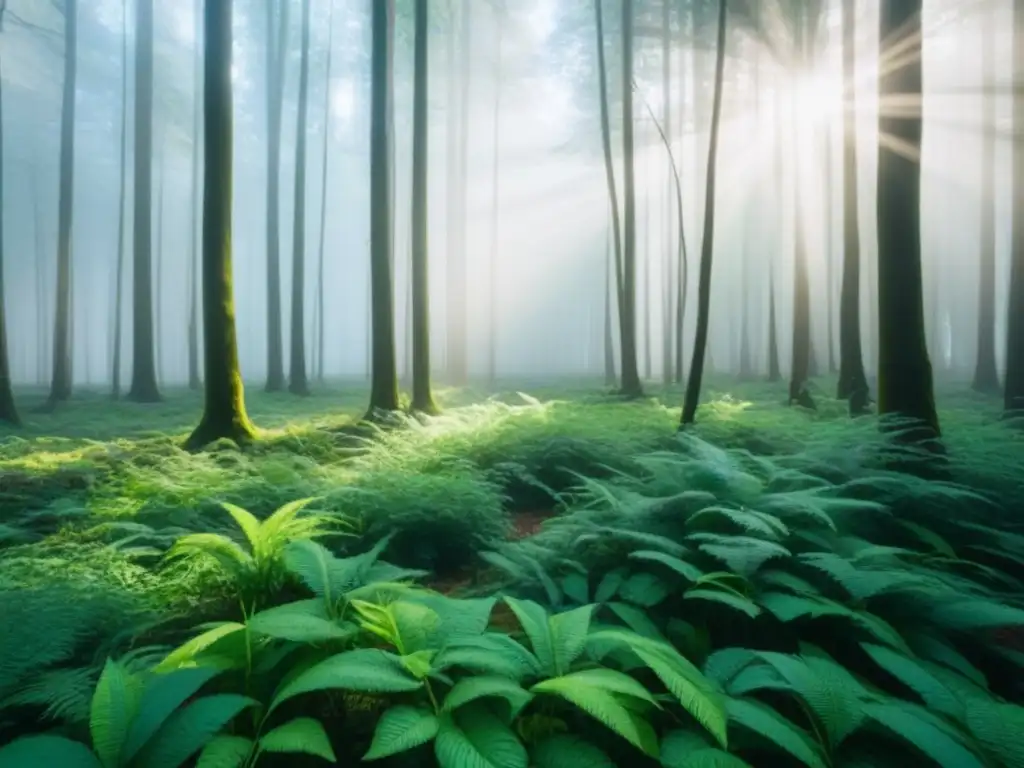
pixel 422 396
pixel 1013 394
pixel 277 41
pixel 121 206
pixel 224 414
pixel 384 374
pixel 144 387
pixel 8 411
pixel 325 165
pixel 60 383
pixel 904 370
pixel 986 377
pixel 692 398
pixel 298 383
pixel 194 379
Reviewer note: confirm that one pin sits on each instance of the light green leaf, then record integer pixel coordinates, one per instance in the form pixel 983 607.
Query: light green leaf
pixel 303 735
pixel 115 702
pixel 400 729
pixel 45 751
pixel 367 670
pixel 687 570
pixel 534 621
pixel 247 522
pixel 736 602
pixel 296 622
pixel 190 729
pixel 998 728
pixel 186 652
pixel 475 738
pixel 644 589
pixel 568 633
pixel 472 688
pixel 569 751
pixel 226 752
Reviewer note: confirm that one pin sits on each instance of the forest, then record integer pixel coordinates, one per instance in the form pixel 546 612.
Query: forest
pixel 529 384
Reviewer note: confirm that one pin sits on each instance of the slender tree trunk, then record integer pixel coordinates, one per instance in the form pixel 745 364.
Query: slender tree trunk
pixel 422 396
pixel 42 292
pixel 158 309
pixel 609 340
pixel 320 284
pixel 60 385
pixel 492 325
pixel 746 371
pixel 298 384
pixel 384 377
pixel 224 414
pixel 986 377
pixel 122 204
pixel 830 290
pixel 904 371
pixel 667 282
pixel 646 253
pixel 692 398
pixel 275 97
pixel 194 380
pixel 8 411
pixel 631 386
pixel 682 284
pixel 1013 394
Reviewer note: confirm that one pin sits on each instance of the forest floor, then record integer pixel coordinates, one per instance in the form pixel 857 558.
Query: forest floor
pixel 96 493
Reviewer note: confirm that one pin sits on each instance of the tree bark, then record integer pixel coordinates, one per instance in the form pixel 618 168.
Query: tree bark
pixel 8 411
pixel 631 386
pixel 492 325
pixel 298 384
pixel 122 204
pixel 904 370
pixel 1013 393
pixel 320 285
pixel 194 380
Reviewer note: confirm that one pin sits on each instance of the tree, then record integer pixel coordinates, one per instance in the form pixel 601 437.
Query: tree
pixel 458 147
pixel 904 370
pixel 1013 393
pixel 320 285
pixel 384 373
pixel 986 377
pixel 144 385
pixel 224 414
pixel 700 342
pixel 492 324
pixel 121 207
pixel 297 381
pixel 8 411
pixel 422 397
pixel 194 381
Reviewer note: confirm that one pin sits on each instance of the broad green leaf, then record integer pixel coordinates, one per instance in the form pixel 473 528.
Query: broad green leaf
pixel 418 663
pixel 295 622
pixel 367 670
pixel 569 751
pixel 46 751
pixel 575 587
pixel 770 725
pixel 687 570
pixel 491 653
pixel 931 690
pixel 303 735
pixel 400 729
pixel 686 749
pixel 312 562
pixel 932 741
pixel 226 752
pixel 475 738
pixel 569 632
pixel 644 589
pixel 636 619
pixel 247 522
pixel 186 652
pixel 736 602
pixel 534 621
pixel 190 729
pixel 472 688
pixel 609 585
pixel 998 728
pixel 115 702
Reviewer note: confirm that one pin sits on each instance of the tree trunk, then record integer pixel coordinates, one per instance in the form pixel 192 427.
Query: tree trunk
pixel 384 376
pixel 224 413
pixel 298 384
pixel 986 377
pixel 320 285
pixel 8 411
pixel 830 289
pixel 122 202
pixel 422 396
pixel 609 341
pixel 158 257
pixel 667 293
pixel 275 97
pixel 631 386
pixel 707 242
pixel 492 325
pixel 1013 394
pixel 646 254
pixel 682 284
pixel 904 371
pixel 60 385
pixel 194 380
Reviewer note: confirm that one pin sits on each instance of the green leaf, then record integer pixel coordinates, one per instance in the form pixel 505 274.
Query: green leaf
pixel 295 622
pixel 575 587
pixel 226 752
pixel 475 738
pixel 115 702
pixel 776 729
pixel 569 751
pixel 472 688
pixel 46 751
pixel 609 585
pixel 998 728
pixel 186 652
pixel 687 570
pixel 400 729
pixel 686 749
pixel 190 729
pixel 931 740
pixel 303 735
pixel 644 589
pixel 636 619
pixel 367 670
pixel 491 653
pixel 569 635
pixel 247 522
pixel 534 621
pixel 312 563
pixel 737 603
pixel 931 690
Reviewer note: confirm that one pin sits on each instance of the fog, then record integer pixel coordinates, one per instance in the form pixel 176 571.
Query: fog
pixel 547 286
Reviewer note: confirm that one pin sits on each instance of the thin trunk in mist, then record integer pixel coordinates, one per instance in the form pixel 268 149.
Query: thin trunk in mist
pixel 492 325
pixel 158 311
pixel 8 411
pixel 121 206
pixel 609 341
pixel 458 140
pixel 224 414
pixel 904 370
pixel 1013 394
pixel 647 266
pixel 853 384
pixel 631 386
pixel 194 380
pixel 746 367
pixel 774 360
pixel 144 383
pixel 986 377
pixel 666 289
pixel 60 384
pixel 275 98
pixel 384 377
pixel 325 164
pixel 298 384
pixel 681 284
pixel 422 396
pixel 830 290
pixel 42 294
pixel 700 342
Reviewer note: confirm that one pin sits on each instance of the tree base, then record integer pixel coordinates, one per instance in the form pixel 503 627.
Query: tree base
pixel 299 388
pixel 425 406
pixel 239 431
pixel 145 397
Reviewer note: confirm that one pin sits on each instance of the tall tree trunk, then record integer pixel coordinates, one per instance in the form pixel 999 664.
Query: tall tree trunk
pixel 144 387
pixel 646 253
pixel 8 411
pixel 60 385
pixel 667 293
pixel 631 386
pixel 986 377
pixel 682 284
pixel 853 384
pixel 692 398
pixel 422 396
pixel 122 204
pixel 42 292
pixel 746 371
pixel 194 380
pixel 275 96
pixel 609 340
pixel 158 310
pixel 830 290
pixel 1013 394
pixel 320 285
pixel 904 371
pixel 384 376
pixel 224 414
pixel 492 325
pixel 298 384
